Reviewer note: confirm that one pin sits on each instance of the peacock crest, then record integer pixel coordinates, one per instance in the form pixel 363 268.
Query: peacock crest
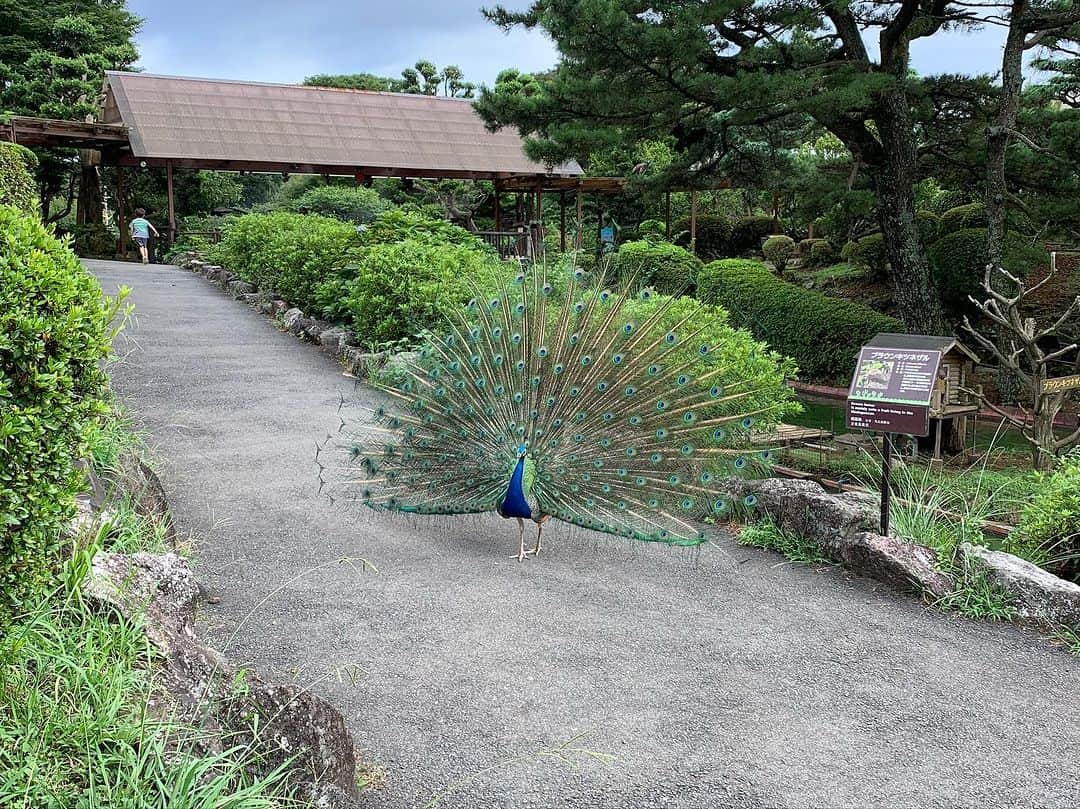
pixel 557 398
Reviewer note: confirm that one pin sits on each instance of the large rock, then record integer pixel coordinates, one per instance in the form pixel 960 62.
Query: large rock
pixel 239 288
pixel 313 329
pixel 904 565
pixel 333 338
pixel 291 318
pixel 232 706
pixel 1038 595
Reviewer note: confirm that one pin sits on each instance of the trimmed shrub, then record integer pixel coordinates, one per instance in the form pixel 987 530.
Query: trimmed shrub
pixel 287 253
pixel 822 253
pixel 962 217
pixel 358 205
pixel 779 250
pixel 712 234
pixel 667 267
pixel 959 263
pixel 393 292
pixel 652 230
pixel 869 252
pixel 748 233
pixel 400 224
pixel 54 333
pixel 1048 533
pixel 17 186
pixel 822 334
pixel 929 226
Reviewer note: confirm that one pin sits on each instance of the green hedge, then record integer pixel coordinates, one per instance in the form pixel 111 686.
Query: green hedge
pixel 287 253
pixel 400 224
pixel 822 334
pixel 357 205
pixel 822 253
pixel 666 267
pixel 868 252
pixel 959 263
pixel 393 292
pixel 748 233
pixel 17 186
pixel 712 235
pixel 779 250
pixel 54 333
pixel 962 217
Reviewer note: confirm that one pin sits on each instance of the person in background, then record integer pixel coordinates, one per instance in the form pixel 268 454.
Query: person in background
pixel 140 232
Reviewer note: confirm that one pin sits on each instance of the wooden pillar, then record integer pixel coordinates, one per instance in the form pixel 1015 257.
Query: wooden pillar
pixel 693 221
pixel 172 202
pixel 667 214
pixel 498 208
pixel 120 223
pixel 520 207
pixel 562 221
pixel 577 237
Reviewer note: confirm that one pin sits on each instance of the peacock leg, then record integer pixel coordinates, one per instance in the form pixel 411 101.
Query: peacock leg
pixel 521 540
pixel 539 530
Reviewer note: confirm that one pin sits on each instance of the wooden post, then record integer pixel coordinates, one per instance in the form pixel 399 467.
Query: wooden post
pixel 498 208
pixel 120 223
pixel 562 221
pixel 667 214
pixel 693 221
pixel 172 202
pixel 577 236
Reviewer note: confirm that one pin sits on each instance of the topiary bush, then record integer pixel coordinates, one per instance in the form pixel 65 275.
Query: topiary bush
pixel 962 217
pixel 662 265
pixel 1048 532
pixel 868 252
pixel 822 253
pixel 748 233
pixel 393 292
pixel 287 253
pixel 779 250
pixel 17 186
pixel 822 334
pixel 959 261
pixel 54 334
pixel 929 226
pixel 712 235
pixel 358 205
pixel 400 224
pixel 652 230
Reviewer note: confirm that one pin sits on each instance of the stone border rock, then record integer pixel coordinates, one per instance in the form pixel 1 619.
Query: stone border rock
pixel 339 342
pixel 1038 595
pixel 200 688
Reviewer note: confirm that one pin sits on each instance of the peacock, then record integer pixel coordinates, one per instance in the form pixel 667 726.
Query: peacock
pixel 560 398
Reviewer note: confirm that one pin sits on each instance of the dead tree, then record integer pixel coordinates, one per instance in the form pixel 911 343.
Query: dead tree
pixel 1018 348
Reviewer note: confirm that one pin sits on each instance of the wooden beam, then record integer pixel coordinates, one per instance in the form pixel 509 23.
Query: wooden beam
pixel 169 190
pixel 120 223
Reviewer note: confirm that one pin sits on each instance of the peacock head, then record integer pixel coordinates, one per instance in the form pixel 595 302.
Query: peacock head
pixel 522 450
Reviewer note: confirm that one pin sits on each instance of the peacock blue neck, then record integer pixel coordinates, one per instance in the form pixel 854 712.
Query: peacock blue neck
pixel 514 503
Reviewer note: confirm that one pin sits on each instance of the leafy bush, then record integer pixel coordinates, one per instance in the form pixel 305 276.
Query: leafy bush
pixel 1048 533
pixel 54 333
pixel 17 186
pixel 392 292
pixel 287 253
pixel 93 239
pixel 652 230
pixel 959 262
pixel 748 233
pixel 358 205
pixel 929 226
pixel 779 250
pixel 712 235
pixel 400 224
pixel 962 217
pixel 869 252
pixel 822 253
pixel 822 334
pixel 667 267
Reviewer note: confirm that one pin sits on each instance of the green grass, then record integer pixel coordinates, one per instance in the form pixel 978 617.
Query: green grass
pixel 1068 637
pixel 829 275
pixel 766 534
pixel 976 596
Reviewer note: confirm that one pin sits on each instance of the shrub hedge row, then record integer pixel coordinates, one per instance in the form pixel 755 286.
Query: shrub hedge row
pixel 667 267
pixel 822 334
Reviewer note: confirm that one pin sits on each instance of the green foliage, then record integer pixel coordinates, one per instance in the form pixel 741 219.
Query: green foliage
pixel 766 534
pixel 978 597
pixel 748 233
pixel 354 81
pixel 54 334
pixel 17 186
pixel 652 230
pixel 399 224
pixel 392 292
pixel 821 253
pixel 962 217
pixel 712 235
pixel 666 267
pixel 779 250
pixel 929 226
pixel 868 252
pixel 355 204
pixel 287 253
pixel 822 334
pixel 1048 533
pixel 93 239
pixel 959 262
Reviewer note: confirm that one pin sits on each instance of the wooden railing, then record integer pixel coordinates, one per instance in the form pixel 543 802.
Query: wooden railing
pixel 509 243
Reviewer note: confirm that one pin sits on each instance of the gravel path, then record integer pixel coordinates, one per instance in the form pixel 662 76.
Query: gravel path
pixel 724 678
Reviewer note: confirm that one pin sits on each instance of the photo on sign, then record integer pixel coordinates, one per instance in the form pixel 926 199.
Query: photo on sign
pixel 875 375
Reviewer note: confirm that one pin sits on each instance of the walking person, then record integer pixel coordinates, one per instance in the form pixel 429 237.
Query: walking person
pixel 140 232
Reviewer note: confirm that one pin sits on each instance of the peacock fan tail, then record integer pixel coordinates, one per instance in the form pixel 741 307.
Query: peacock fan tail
pixel 539 403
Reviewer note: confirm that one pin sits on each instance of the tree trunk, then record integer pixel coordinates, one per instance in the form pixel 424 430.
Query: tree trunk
pixel 89 208
pixel 917 299
pixel 998 133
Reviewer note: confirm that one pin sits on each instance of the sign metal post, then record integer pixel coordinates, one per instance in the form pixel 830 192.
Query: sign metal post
pixel 886 484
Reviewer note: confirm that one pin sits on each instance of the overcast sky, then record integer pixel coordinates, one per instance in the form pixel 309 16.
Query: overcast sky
pixel 284 40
